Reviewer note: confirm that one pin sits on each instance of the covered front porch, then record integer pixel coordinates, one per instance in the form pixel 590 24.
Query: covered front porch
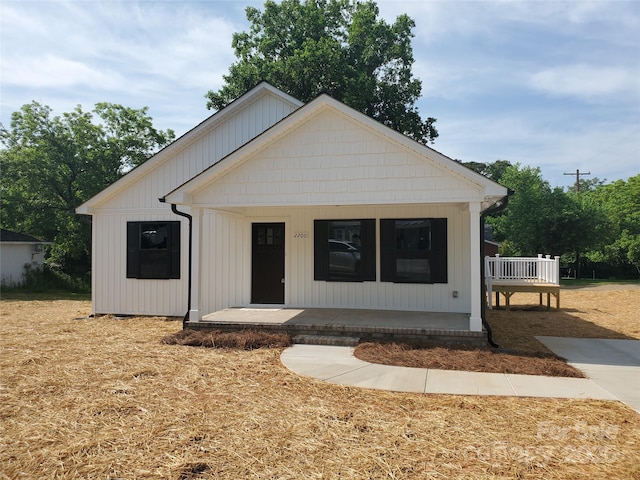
pixel 346 325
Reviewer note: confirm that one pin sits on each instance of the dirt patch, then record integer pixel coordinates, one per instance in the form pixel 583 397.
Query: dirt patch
pixel 104 398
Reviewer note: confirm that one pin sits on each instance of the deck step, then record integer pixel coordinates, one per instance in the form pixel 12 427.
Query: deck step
pixel 334 340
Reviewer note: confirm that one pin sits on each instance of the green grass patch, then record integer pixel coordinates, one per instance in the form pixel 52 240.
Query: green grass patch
pixel 15 295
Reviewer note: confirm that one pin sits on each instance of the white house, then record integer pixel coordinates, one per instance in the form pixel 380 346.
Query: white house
pixel 272 202
pixel 16 251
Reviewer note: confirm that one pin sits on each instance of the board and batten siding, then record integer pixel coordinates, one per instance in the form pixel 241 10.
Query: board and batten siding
pixel 131 296
pixel 226 276
pixel 332 160
pixel 226 261
pixel 138 201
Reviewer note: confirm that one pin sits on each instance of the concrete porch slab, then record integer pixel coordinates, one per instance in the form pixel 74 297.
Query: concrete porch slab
pixel 366 325
pixel 342 316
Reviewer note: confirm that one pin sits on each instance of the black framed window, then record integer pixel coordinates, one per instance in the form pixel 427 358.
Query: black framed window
pixel 345 250
pixel 153 250
pixel 413 250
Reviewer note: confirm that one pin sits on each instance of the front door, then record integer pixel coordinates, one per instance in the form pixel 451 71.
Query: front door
pixel 267 263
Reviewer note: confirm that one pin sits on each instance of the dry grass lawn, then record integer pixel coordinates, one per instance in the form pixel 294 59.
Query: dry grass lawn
pixel 104 398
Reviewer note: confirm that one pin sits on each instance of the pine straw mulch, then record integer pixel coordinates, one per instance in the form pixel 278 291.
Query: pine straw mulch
pixel 105 398
pixel 468 359
pixel 586 313
pixel 243 340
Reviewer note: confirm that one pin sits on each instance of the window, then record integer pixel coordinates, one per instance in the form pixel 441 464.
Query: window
pixel 153 250
pixel 413 250
pixel 345 250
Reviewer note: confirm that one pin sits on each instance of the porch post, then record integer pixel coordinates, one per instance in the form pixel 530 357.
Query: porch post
pixel 475 319
pixel 194 313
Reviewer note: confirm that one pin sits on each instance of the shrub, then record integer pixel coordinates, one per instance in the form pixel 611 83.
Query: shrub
pixel 47 278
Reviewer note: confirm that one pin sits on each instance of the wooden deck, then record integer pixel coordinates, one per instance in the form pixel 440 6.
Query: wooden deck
pixel 509 275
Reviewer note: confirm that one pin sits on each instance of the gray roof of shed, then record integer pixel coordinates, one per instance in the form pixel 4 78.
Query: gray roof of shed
pixel 9 236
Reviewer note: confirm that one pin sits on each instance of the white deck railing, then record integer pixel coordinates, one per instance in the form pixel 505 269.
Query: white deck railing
pixel 521 271
pixel 540 269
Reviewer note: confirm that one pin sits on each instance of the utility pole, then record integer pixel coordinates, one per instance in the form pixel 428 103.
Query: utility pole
pixel 577 174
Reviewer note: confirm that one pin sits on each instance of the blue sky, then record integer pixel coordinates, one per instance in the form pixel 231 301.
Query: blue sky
pixel 541 83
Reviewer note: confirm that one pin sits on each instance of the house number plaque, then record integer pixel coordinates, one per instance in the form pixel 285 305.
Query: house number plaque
pixel 300 235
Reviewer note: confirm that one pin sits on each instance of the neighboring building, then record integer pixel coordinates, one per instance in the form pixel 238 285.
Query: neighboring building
pixel 491 247
pixel 313 205
pixel 16 251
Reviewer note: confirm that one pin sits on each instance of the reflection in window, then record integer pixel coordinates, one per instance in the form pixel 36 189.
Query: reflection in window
pixel 413 245
pixel 153 250
pixel 269 235
pixel 413 250
pixel 344 249
pixel 153 236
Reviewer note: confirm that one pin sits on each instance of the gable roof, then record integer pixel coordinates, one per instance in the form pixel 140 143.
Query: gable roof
pixel 7 236
pixel 492 191
pixel 168 152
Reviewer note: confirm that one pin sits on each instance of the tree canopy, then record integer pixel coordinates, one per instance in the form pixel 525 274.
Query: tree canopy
pixel 340 47
pixel 620 201
pixel 50 165
pixel 596 227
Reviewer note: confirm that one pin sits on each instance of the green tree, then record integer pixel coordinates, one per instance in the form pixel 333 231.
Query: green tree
pixel 540 219
pixel 340 47
pixel 620 201
pixel 50 165
pixel 493 171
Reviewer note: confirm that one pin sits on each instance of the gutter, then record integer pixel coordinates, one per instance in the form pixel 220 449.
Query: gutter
pixel 175 210
pixel 495 208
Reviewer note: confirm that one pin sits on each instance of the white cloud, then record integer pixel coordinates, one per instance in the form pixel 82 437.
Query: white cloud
pixel 585 81
pixel 502 77
pixel 52 71
pixel 603 147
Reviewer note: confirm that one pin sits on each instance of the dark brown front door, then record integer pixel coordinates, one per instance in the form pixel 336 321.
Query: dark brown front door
pixel 267 263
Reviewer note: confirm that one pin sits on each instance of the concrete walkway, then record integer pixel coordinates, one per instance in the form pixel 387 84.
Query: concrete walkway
pixel 612 364
pixel 338 365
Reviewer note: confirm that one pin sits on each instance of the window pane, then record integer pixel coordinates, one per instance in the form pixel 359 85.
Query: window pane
pixel 153 236
pixel 154 264
pixel 153 250
pixel 344 249
pixel 413 249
